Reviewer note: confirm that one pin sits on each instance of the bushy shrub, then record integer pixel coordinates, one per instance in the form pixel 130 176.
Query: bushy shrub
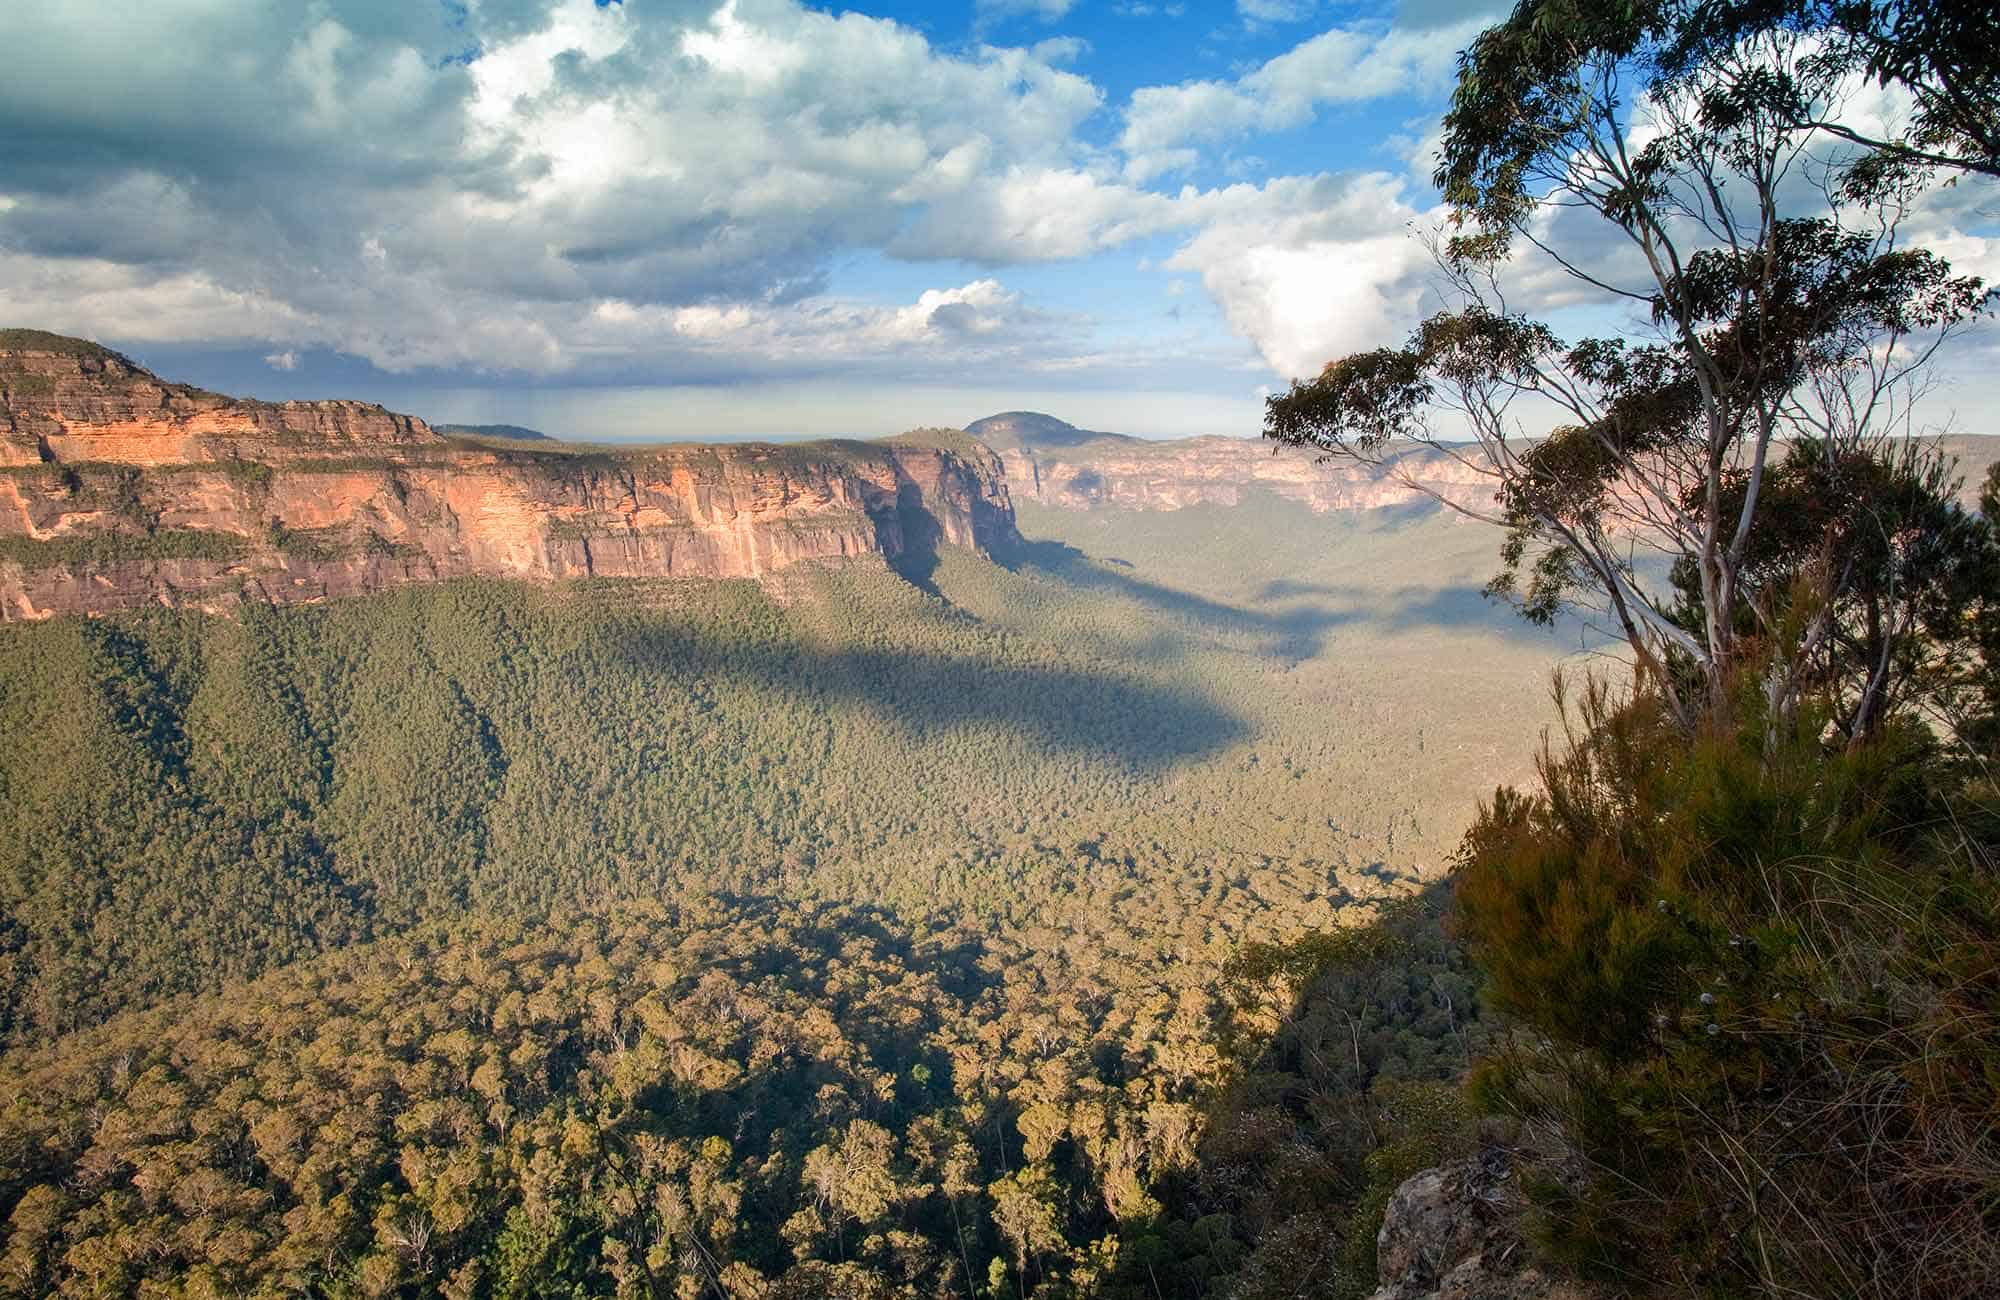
pixel 1759 979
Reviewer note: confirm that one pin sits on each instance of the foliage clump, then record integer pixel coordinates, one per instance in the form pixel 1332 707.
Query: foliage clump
pixel 1789 326
pixel 1758 988
pixel 31 340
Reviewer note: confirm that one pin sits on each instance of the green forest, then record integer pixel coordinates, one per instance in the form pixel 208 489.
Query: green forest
pixel 1074 928
pixel 830 937
pixel 743 1099
pixel 204 799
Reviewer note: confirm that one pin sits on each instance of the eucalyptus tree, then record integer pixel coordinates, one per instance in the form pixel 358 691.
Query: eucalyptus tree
pixel 1689 168
pixel 1943 59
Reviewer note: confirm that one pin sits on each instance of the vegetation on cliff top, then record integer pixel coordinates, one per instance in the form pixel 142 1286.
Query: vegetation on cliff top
pixel 103 551
pixel 1759 992
pixel 506 432
pixel 33 340
pixel 1746 924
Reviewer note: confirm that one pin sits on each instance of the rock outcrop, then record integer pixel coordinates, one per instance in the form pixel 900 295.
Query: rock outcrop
pixel 119 490
pixel 1450 1233
pixel 66 400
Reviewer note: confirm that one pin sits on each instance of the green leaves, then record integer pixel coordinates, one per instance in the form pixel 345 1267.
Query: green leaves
pixel 1362 401
pixel 1724 951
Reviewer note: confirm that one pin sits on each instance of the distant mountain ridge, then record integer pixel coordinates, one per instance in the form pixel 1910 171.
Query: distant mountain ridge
pixel 119 489
pixel 1054 463
pixel 1020 430
pixel 511 431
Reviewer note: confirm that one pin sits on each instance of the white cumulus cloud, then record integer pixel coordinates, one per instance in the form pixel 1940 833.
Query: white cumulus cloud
pixel 381 182
pixel 1312 269
pixel 1165 124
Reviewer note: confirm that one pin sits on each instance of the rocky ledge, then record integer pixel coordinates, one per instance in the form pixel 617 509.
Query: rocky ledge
pixel 118 490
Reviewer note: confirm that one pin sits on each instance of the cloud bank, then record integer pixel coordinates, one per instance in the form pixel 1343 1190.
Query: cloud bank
pixel 677 191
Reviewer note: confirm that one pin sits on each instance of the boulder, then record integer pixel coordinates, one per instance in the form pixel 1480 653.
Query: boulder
pixel 1452 1233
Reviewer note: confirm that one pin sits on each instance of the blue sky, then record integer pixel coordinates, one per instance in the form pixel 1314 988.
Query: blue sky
pixel 699 218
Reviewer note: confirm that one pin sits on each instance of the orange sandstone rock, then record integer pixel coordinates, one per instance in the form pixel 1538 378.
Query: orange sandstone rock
pixel 119 490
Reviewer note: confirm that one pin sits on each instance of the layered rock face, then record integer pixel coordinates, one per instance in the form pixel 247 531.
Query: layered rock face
pixel 67 400
pixel 119 490
pixel 1055 464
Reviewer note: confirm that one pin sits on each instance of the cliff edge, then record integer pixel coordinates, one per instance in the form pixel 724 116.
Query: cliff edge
pixel 119 489
pixel 1057 464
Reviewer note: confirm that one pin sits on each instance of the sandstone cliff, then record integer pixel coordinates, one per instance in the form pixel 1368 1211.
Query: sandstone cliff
pixel 1056 464
pixel 118 490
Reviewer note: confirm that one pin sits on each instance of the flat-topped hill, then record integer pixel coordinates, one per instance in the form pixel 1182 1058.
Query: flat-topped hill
pixel 511 432
pixel 1032 430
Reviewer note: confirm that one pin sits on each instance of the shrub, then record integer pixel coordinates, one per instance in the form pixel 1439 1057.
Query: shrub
pixel 96 552
pixel 1763 983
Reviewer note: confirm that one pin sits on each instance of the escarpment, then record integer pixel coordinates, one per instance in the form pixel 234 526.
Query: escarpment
pixel 65 400
pixel 1056 464
pixel 119 490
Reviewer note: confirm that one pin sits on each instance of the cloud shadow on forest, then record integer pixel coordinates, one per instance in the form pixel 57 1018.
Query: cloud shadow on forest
pixel 1103 715
pixel 1309 612
pixel 1293 633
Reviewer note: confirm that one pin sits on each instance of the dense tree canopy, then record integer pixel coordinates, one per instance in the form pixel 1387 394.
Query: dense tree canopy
pixel 189 799
pixel 830 938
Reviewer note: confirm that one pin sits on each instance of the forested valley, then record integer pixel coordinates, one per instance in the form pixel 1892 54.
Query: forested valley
pixel 1215 902
pixel 840 936
pixel 1071 925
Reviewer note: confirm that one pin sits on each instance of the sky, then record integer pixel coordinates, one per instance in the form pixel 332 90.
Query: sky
pixel 687 219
